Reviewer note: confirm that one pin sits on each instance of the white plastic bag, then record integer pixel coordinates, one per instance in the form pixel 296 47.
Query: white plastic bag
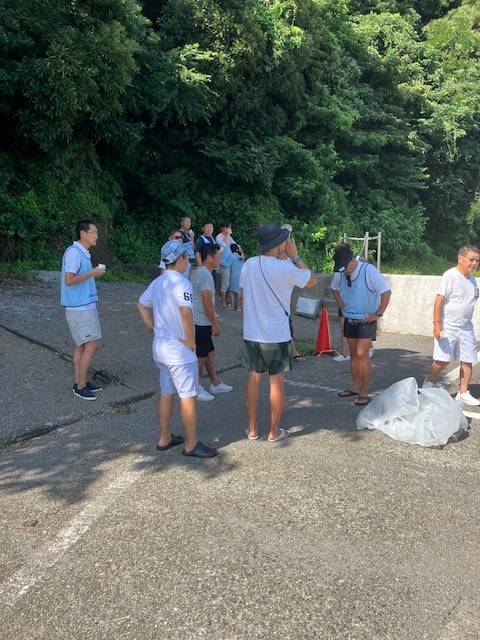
pixel 428 417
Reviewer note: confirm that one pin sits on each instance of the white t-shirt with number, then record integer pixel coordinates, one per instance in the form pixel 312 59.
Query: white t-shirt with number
pixel 460 295
pixel 165 295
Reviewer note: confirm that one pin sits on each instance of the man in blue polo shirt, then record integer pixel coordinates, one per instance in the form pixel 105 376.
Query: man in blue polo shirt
pixel 78 294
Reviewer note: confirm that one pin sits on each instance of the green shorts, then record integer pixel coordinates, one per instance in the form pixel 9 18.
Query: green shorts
pixel 273 357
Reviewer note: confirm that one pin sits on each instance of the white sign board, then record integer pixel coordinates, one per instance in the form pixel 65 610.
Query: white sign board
pixel 307 307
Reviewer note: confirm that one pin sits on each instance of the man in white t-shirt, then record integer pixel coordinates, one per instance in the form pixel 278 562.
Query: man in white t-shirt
pixel 166 309
pixel 454 337
pixel 266 286
pixel 174 234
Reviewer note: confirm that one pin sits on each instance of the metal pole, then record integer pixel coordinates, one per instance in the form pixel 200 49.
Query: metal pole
pixel 367 235
pixel 379 249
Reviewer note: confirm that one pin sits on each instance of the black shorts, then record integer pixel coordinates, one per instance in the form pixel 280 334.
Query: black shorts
pixel 203 340
pixel 356 329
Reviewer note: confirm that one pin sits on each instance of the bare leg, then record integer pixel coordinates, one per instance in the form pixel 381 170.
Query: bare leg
pixel 354 368
pixel 294 349
pixel 252 393
pixel 231 299
pixel 436 369
pixel 224 298
pixel 77 356
pixel 164 417
pixel 210 366
pixel 82 359
pixel 188 413
pixel 465 375
pixel 277 402
pixel 201 363
pixel 360 365
pixel 343 340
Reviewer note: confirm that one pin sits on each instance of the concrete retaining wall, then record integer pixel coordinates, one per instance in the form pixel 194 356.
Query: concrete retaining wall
pixel 410 310
pixel 411 306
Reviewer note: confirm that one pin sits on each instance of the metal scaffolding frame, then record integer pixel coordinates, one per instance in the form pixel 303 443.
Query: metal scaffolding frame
pixel 366 239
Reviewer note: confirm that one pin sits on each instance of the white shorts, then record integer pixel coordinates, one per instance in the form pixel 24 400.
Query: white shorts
pixel 84 325
pixel 179 378
pixel 459 345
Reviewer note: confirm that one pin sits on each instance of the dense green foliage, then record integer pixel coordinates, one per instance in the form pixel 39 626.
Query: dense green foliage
pixel 336 117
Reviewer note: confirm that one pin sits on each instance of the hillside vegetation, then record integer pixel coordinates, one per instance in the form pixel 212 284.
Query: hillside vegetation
pixel 336 116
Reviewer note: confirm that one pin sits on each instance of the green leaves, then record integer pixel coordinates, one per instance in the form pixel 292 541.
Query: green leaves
pixel 343 117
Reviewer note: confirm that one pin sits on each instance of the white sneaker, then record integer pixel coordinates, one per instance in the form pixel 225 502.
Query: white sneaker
pixel 204 395
pixel 468 398
pixel 341 358
pixel 370 352
pixel 220 388
pixel 430 385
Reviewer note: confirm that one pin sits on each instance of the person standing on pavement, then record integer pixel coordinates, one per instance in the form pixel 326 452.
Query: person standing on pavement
pixel 188 237
pixel 78 294
pixel 205 238
pixel 362 295
pixel 174 234
pixel 266 286
pixel 454 336
pixel 205 321
pixel 166 309
pixel 225 241
pixel 295 354
pixel 237 262
pixel 344 355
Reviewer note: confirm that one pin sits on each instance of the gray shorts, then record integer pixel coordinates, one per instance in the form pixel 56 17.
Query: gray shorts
pixel 225 278
pixel 273 357
pixel 84 325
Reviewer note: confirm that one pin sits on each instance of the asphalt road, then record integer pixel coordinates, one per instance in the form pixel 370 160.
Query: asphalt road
pixel 332 533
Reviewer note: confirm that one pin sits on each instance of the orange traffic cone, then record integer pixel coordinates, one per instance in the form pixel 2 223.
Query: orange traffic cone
pixel 324 342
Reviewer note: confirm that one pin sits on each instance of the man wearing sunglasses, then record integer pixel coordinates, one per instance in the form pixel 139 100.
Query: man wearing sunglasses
pixel 453 333
pixel 362 296
pixel 174 234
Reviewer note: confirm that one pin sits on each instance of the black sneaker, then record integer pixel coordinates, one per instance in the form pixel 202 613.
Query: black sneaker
pixel 94 388
pixel 84 394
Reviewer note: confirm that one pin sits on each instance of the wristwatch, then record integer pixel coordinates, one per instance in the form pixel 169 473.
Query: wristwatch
pixel 297 260
pixel 379 314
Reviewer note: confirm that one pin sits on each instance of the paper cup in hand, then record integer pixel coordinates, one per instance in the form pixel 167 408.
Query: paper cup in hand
pixel 102 266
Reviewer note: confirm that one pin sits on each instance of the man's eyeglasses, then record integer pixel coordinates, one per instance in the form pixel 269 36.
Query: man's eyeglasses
pixel 471 259
pixel 349 280
pixel 178 237
pixel 95 233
